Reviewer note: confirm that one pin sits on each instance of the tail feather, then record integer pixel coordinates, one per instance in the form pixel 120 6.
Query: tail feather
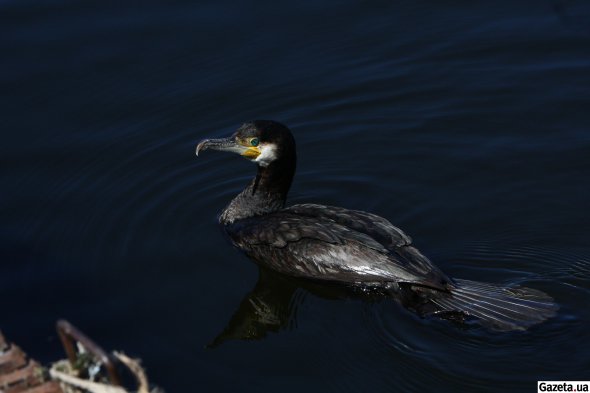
pixel 497 307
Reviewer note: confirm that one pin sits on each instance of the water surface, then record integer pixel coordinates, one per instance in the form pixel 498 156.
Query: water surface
pixel 464 124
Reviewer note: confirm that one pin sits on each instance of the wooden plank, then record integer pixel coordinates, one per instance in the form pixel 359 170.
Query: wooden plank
pixel 18 375
pixel 21 379
pixel 12 359
pixel 47 387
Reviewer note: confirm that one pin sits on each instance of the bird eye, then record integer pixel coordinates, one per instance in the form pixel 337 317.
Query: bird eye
pixel 254 142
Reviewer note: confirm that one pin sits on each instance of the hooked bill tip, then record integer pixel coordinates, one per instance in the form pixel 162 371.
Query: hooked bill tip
pixel 200 147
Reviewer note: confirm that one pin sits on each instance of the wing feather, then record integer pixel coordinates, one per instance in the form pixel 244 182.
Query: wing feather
pixel 335 244
pixel 370 224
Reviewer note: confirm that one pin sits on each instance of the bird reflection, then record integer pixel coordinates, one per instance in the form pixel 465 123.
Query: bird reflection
pixel 267 308
pixel 271 306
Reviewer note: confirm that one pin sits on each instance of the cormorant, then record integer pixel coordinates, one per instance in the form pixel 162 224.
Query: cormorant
pixel 352 247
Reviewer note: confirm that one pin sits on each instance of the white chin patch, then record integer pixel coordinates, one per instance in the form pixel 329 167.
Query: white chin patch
pixel 268 154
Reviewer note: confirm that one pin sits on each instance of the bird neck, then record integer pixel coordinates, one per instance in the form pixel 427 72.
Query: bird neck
pixel 266 193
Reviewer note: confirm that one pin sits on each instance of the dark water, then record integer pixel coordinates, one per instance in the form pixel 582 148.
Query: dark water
pixel 467 124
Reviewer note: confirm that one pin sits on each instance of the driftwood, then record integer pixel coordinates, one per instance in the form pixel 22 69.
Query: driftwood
pixel 88 369
pixel 136 369
pixel 76 383
pixel 62 372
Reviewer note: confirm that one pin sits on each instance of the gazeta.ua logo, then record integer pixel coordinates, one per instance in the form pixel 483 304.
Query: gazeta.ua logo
pixel 563 386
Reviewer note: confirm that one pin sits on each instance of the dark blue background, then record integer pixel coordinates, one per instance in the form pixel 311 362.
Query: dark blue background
pixel 464 123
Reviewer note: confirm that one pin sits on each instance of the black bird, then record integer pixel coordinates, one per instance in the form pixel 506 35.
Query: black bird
pixel 352 247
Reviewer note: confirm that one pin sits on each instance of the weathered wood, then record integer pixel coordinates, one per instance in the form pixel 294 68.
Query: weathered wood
pixel 93 387
pixel 21 379
pixel 12 359
pixel 47 387
pixel 20 375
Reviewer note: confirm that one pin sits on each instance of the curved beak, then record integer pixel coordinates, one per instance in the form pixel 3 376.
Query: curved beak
pixel 224 144
pixel 230 144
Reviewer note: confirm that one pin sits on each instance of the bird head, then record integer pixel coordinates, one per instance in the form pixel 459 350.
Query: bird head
pixel 261 141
